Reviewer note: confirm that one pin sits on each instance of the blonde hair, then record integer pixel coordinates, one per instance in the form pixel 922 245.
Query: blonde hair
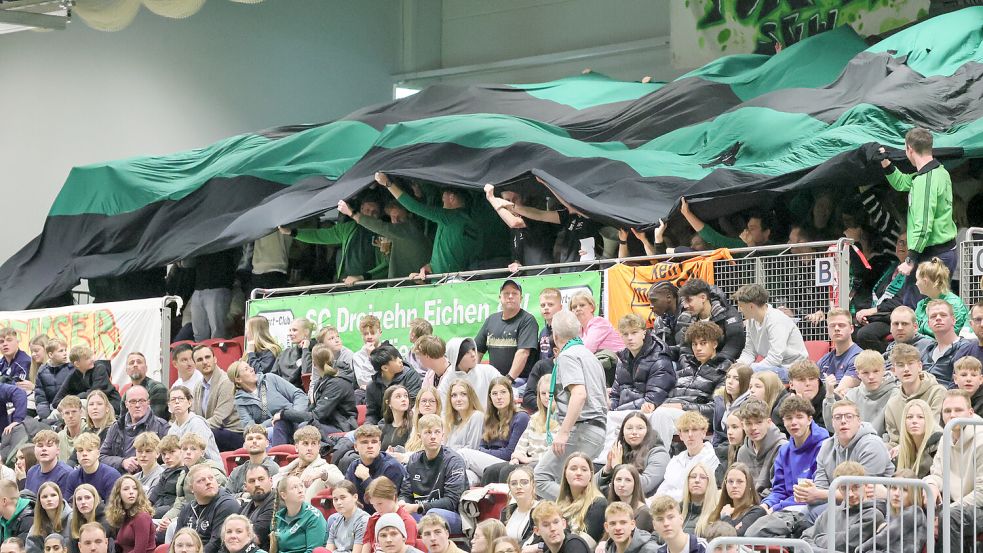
pixel 79 353
pixel 110 417
pixel 575 509
pixel 538 420
pixel 910 454
pixel 78 517
pixel 191 533
pixel 935 271
pixel 44 523
pixel 453 419
pixel 86 440
pixel 258 330
pixel 323 360
pixel 491 529
pixel 586 296
pixel 415 442
pixel 692 420
pixel 869 360
pixel 773 386
pixel 710 498
pixel 39 340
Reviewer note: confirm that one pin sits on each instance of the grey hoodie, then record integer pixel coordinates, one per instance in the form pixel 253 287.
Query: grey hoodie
pixel 866 448
pixel 641 542
pixel 871 404
pixel 762 462
pixel 853 526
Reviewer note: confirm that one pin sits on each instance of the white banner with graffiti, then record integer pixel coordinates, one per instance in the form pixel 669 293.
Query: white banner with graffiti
pixel 113 330
pixel 704 30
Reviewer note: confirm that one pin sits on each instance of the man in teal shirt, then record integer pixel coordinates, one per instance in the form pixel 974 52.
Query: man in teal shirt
pixel 931 230
pixel 757 230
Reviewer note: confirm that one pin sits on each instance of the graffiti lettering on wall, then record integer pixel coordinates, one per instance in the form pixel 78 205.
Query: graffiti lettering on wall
pixel 96 329
pixel 720 27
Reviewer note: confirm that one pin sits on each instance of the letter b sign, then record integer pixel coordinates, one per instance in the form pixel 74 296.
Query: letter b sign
pixel 825 272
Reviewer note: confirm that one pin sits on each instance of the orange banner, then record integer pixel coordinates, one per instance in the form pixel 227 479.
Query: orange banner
pixel 628 286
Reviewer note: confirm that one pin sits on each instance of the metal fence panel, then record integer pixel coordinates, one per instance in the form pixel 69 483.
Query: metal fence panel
pixel 845 481
pixel 974 530
pixel 795 545
pixel 970 289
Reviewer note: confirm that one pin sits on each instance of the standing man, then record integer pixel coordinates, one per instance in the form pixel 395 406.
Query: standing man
pixel 701 302
pixel 511 336
pixel 837 367
pixel 757 229
pixel 209 304
pixel 214 399
pixel 410 247
pixel 136 369
pixel 931 230
pixel 581 405
pixel 117 450
pixel 532 240
pixel 550 303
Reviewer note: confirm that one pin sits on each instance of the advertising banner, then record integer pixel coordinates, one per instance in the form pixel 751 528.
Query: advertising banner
pixel 454 309
pixel 113 330
pixel 628 286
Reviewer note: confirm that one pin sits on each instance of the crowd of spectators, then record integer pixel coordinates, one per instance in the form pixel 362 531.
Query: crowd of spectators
pixel 708 420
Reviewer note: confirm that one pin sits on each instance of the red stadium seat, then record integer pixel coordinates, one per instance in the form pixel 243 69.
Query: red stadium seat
pixel 227 351
pixel 232 459
pixel 283 454
pixel 162 548
pixel 305 380
pixel 817 349
pixel 419 545
pixel 361 414
pixel 322 501
pixel 490 506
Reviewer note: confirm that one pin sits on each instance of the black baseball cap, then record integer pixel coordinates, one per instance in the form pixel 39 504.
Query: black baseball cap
pixel 513 283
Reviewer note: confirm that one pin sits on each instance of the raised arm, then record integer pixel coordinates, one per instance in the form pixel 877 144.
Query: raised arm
pixel 502 208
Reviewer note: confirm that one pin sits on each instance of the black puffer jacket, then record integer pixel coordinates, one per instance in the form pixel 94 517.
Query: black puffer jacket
pixel 696 383
pixel 333 406
pixel 726 316
pixel 647 377
pixel 409 378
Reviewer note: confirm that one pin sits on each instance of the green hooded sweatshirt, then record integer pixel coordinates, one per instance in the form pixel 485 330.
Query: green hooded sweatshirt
pixel 929 204
pixel 358 257
pixel 11 528
pixel 302 532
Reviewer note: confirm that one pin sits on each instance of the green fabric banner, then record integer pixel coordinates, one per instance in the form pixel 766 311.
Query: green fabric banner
pixel 454 309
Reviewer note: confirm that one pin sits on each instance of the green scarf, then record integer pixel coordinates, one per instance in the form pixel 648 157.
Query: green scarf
pixel 549 408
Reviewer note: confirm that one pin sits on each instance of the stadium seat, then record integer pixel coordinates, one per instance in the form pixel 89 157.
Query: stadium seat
pixel 322 501
pixel 232 459
pixel 162 548
pixel 305 380
pixel 419 545
pixel 361 414
pixel 227 350
pixel 491 506
pixel 283 454
pixel 817 349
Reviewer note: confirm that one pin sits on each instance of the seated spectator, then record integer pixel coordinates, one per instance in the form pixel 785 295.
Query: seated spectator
pixel 164 494
pixel 973 348
pixel 692 428
pixel 372 463
pixel 939 356
pixel 855 517
pixel 872 396
pixel 342 356
pixel 639 445
pixel 904 330
pixel 442 477
pixel 770 333
pixel 207 508
pixel 804 382
pixel 70 410
pixel 129 510
pixel 192 454
pixel 796 460
pixel 262 349
pixel 50 516
pixel 623 534
pixel 626 487
pixel 382 495
pixel 255 444
pixel 905 522
pixel 428 402
pixel 51 377
pixel 485 534
pixel 117 449
pixel 397 418
pixel 701 372
pixel 874 321
pixel 503 426
pixel 510 336
pixel 390 534
pixel 332 400
pixel 837 367
pixel 664 300
pixel 16 513
pixel 389 369
pixel 12 420
pixel 699 498
pixel 299 526
pixel 668 522
pixel 915 384
pixel 463 418
pixel 346 527
pixel 136 369
pixel 214 400
pixel 90 470
pixel 184 421
pixel 88 377
pixel 187 373
pixel 296 359
pixel 580 500
pixel 49 468
pixel 596 332
pixel 551 526
pixel 517 515
pixel 644 374
pixel 531 444
pixel 932 280
pixel 702 302
pixel 463 356
pixel 727 451
pixel 964 478
pixel 435 535
pixel 967 375
pixel 309 466
pixel 721 529
pixel 920 438
pixel 261 399
pixel 258 508
pixel 150 471
pixel 854 440
pixel 729 398
pixel 757 229
pixel 739 501
pixel 431 353
pixel 761 445
pixel 767 387
pixel 87 507
pixel 370 327
pixel 14 363
pixel 238 535
pixel 187 539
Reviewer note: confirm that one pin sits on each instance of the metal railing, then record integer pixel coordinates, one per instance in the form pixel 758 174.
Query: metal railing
pixel 970 271
pixel 846 481
pixel 947 446
pixel 787 271
pixel 785 543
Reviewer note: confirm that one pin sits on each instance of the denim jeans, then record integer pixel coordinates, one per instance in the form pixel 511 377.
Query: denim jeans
pixel 209 310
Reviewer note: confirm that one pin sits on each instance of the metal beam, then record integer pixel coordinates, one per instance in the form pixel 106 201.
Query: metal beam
pixel 539 60
pixel 18 4
pixel 28 19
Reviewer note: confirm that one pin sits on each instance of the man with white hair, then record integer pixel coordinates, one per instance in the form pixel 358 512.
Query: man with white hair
pixel 581 404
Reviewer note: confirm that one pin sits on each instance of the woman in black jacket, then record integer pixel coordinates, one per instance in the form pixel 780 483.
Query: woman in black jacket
pixel 87 507
pixel 333 408
pixel 700 372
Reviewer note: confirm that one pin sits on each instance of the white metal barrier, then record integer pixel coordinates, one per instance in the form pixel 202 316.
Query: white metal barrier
pixel 947 506
pixel 971 268
pixel 719 545
pixel 846 481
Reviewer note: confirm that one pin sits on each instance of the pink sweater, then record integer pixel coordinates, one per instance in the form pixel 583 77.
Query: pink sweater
pixel 598 334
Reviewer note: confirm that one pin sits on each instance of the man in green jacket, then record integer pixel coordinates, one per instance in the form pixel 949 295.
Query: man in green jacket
pixel 458 239
pixel 16 513
pixel 358 259
pixel 757 230
pixel 410 248
pixel 931 230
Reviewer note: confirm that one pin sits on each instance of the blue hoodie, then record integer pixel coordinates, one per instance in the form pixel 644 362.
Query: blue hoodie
pixel 793 463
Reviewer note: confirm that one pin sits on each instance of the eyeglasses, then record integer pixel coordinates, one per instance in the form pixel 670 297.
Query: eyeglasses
pixel 844 417
pixel 699 477
pixel 522 482
pixel 135 401
pixel 424 400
